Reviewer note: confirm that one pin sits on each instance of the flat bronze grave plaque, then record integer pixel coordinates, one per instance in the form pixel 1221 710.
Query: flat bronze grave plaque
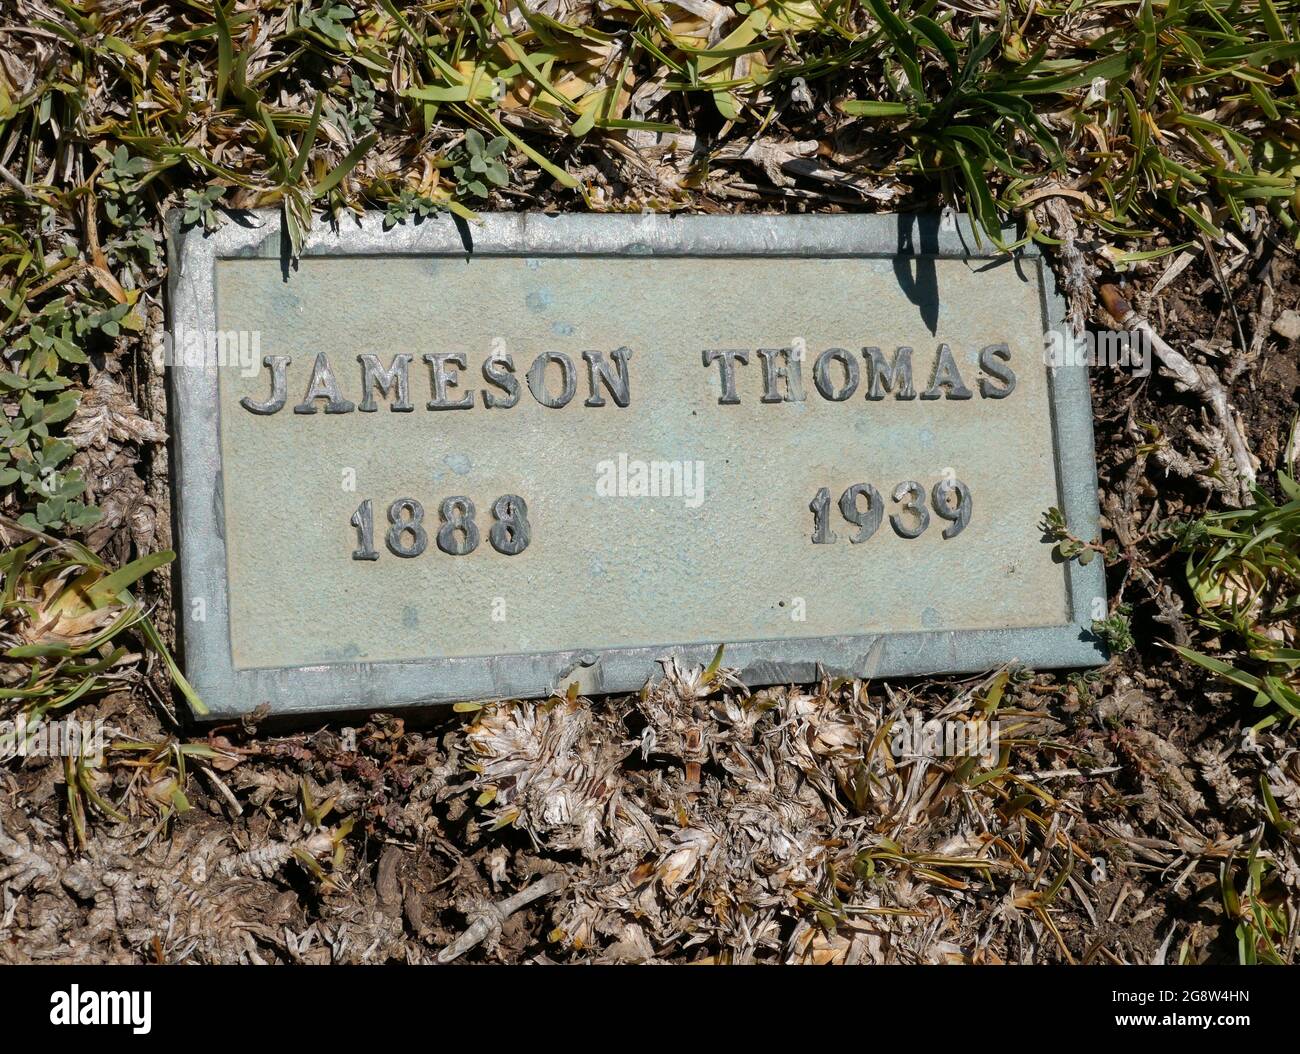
pixel 450 461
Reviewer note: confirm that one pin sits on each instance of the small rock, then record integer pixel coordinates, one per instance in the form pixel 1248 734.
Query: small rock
pixel 1287 325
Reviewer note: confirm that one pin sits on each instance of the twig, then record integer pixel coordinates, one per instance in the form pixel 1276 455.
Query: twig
pixel 1202 381
pixel 1219 277
pixel 1051 774
pixel 225 791
pixel 16 183
pixel 68 273
pixel 1078 271
pixel 495 915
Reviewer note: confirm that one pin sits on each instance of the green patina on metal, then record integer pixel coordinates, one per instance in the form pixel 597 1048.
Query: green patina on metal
pixel 312 602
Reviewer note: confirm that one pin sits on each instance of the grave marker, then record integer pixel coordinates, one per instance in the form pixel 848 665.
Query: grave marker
pixel 447 462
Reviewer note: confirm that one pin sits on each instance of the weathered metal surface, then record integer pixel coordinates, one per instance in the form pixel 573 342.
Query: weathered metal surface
pixel 325 523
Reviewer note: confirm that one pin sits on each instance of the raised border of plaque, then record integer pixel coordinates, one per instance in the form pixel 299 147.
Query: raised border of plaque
pixel 385 686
